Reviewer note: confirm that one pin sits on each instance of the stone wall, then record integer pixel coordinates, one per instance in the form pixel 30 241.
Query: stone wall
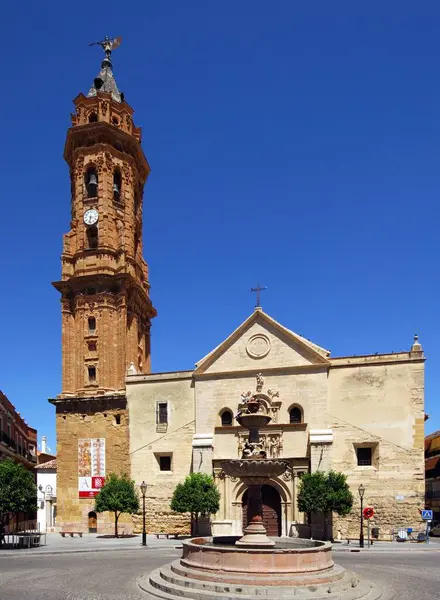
pixel 380 406
pixel 94 418
pixel 150 440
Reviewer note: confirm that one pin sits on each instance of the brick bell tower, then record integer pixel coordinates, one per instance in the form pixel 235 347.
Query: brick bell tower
pixel 106 308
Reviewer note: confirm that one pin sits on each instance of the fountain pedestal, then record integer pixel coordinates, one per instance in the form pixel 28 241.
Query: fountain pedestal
pixel 255 470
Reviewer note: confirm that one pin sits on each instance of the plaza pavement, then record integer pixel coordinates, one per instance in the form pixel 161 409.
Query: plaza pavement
pixel 94 543
pixel 406 575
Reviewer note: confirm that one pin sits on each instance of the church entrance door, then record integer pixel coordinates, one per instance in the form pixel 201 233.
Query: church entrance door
pixel 271 510
pixel 93 522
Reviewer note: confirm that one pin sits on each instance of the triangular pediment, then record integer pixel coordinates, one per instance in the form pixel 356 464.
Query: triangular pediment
pixel 260 342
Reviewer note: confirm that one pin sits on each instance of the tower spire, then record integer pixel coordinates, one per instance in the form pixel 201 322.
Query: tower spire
pixel 105 81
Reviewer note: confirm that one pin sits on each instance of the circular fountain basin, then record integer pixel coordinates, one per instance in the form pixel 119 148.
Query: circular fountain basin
pixel 254 420
pixel 259 468
pixel 288 563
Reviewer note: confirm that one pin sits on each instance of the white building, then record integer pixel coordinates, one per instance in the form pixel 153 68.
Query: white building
pixel 47 495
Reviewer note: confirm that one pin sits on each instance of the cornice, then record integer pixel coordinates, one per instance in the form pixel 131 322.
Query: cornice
pixel 312 368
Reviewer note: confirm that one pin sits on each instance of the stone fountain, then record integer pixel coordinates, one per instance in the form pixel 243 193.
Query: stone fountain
pixel 255 566
pixel 254 469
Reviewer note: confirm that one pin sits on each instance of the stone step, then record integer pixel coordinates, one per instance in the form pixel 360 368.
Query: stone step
pixel 164 583
pixel 337 574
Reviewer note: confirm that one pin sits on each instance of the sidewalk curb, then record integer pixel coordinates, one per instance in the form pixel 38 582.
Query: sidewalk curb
pixel 385 550
pixel 15 553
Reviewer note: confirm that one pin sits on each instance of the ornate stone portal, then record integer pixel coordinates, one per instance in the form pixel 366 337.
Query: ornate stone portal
pixel 254 468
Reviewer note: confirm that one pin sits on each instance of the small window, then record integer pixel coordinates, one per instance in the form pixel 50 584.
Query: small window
pixel 92 374
pixel 92 238
pixel 93 117
pixel 92 346
pixel 118 419
pixel 295 415
pixel 162 413
pixel 364 457
pixel 115 120
pixel 226 418
pixel 165 463
pixel 92 325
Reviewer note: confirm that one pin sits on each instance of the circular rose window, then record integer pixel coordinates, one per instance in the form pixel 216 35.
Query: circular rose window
pixel 258 346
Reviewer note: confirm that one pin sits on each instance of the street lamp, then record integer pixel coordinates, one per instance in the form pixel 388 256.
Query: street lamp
pixel 143 487
pixel 361 491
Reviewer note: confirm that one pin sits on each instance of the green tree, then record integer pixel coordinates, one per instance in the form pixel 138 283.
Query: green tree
pixel 197 495
pixel 18 491
pixel 118 495
pixel 325 493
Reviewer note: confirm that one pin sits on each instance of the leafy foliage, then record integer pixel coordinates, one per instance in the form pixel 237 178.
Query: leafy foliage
pixel 118 495
pixel 325 493
pixel 18 491
pixel 197 495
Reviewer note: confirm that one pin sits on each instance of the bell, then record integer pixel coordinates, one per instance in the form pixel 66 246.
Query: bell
pixel 116 190
pixel 93 179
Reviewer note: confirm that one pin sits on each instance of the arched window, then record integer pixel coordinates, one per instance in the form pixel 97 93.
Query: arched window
pixel 93 117
pixel 295 414
pixel 91 182
pixel 226 418
pixel 117 184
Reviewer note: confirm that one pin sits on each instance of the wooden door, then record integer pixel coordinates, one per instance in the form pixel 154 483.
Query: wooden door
pixel 93 522
pixel 271 510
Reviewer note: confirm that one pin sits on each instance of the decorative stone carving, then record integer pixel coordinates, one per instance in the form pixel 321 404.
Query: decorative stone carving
pixel 271 444
pixel 271 406
pixel 287 475
pixel 258 346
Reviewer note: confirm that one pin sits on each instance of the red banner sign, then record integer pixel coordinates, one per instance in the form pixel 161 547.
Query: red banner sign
pixel 91 467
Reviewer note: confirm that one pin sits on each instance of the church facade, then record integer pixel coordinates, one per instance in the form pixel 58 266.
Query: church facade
pixel 362 415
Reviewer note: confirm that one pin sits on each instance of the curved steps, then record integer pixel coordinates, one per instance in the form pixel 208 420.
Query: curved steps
pixel 174 582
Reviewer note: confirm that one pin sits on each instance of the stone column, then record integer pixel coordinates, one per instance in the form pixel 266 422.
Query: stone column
pixel 321 441
pixel 202 463
pixel 202 453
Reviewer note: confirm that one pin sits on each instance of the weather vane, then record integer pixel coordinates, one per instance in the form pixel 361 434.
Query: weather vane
pixel 108 45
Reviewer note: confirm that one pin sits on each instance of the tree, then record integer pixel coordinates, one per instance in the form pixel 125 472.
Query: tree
pixel 118 495
pixel 18 491
pixel 197 495
pixel 325 493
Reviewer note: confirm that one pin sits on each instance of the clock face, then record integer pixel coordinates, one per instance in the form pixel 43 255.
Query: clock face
pixel 91 216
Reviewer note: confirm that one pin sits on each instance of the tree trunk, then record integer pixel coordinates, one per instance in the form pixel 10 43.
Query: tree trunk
pixel 116 524
pixel 328 535
pixel 196 524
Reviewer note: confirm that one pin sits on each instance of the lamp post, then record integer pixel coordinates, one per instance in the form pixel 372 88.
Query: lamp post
pixel 361 491
pixel 143 487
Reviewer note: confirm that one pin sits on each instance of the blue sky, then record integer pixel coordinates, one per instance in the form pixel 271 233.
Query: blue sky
pixel 292 143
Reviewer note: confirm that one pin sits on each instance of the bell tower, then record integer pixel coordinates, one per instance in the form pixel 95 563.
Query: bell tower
pixel 105 301
pixel 106 308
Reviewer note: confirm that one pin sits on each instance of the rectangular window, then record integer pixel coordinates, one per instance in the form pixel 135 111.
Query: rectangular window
pixel 162 413
pixel 92 374
pixel 165 463
pixel 92 325
pixel 364 457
